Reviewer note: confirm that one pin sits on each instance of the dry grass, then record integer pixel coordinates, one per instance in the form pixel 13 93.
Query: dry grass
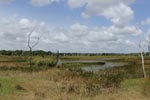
pixel 57 84
pixel 50 85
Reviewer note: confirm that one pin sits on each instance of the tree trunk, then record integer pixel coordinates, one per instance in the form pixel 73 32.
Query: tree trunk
pixel 31 59
pixel 143 65
pixel 57 60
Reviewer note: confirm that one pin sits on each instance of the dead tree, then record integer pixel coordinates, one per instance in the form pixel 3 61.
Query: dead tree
pixel 142 58
pixel 149 47
pixel 57 64
pixel 148 42
pixel 31 46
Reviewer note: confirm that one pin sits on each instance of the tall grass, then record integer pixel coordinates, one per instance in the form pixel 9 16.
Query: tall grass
pixel 46 61
pixel 70 83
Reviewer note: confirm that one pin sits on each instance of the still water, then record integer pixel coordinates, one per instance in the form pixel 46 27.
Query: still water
pixel 95 67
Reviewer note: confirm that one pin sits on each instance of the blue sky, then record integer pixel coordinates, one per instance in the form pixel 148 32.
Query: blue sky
pixel 55 14
pixel 75 25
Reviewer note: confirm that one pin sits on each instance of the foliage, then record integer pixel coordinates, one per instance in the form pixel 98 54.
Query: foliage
pixel 25 53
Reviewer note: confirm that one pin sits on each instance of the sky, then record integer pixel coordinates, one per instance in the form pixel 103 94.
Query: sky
pixel 83 26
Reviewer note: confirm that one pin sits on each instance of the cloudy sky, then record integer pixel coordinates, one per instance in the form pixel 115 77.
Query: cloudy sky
pixel 75 25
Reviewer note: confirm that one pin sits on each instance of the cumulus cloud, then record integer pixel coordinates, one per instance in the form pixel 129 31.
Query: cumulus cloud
pixel 79 30
pixel 90 3
pixel 76 38
pixel 117 11
pixel 146 22
pixel 127 30
pixel 148 35
pixel 14 32
pixel 42 2
pixel 117 17
pixel 97 39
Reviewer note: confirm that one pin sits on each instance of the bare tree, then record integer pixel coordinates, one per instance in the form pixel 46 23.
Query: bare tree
pixel 148 42
pixel 31 46
pixel 58 63
pixel 149 47
pixel 142 58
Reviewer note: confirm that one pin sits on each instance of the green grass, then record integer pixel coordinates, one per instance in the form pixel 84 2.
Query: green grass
pixel 7 85
pixel 46 61
pixel 66 82
pixel 133 84
pixel 21 63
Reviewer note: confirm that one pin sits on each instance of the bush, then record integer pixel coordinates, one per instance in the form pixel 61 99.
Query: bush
pixel 45 63
pixel 112 80
pixel 49 62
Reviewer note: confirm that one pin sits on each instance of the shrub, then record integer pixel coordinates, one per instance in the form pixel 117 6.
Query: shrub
pixel 112 80
pixel 49 62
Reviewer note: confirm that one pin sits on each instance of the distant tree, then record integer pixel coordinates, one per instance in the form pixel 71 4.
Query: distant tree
pixel 8 53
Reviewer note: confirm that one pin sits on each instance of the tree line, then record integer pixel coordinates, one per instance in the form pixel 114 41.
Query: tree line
pixel 50 53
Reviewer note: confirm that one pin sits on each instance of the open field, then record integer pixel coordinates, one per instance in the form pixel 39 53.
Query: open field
pixel 74 50
pixel 71 83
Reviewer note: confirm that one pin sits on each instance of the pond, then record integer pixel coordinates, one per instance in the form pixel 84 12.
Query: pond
pixel 96 65
pixel 105 66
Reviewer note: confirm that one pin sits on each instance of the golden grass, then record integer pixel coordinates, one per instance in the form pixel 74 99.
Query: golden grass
pixel 57 84
pixel 49 85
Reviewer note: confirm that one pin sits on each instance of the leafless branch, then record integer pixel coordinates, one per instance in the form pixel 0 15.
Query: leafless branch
pixel 29 39
pixel 36 42
pixel 31 46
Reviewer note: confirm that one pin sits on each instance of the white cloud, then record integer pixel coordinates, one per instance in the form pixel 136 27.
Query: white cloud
pixel 76 38
pixel 14 32
pixel 98 39
pixel 147 37
pixel 95 3
pixel 61 38
pixel 127 30
pixel 79 30
pixel 120 15
pixel 117 11
pixel 42 2
pixel 5 1
pixel 146 22
pixel 76 3
pixel 24 21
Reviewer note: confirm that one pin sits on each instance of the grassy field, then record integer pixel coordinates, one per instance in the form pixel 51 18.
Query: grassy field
pixel 49 83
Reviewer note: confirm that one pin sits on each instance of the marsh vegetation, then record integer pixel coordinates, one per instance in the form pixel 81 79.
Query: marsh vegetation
pixel 70 82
